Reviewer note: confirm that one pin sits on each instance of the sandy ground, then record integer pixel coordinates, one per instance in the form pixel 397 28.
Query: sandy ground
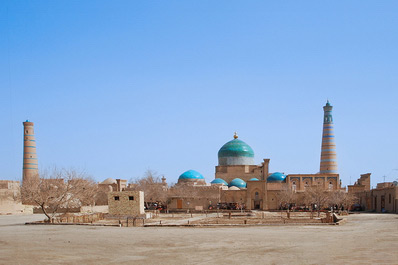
pixel 364 239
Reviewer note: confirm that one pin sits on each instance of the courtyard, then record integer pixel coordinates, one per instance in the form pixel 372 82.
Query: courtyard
pixel 364 239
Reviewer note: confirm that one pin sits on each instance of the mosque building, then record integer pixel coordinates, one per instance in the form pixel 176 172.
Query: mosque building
pixel 238 180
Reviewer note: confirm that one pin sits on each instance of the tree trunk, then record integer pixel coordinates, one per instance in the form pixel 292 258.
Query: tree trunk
pixel 43 208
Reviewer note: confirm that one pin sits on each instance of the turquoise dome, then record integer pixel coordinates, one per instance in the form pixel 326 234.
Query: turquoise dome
pixel 219 181
pixel 254 179
pixel 237 183
pixel 235 152
pixel 276 177
pixel 191 175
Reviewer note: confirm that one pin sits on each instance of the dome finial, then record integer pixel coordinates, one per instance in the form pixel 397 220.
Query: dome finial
pixel 235 135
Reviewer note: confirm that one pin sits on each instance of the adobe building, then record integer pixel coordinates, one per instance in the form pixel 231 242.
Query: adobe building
pixel 10 197
pixel 382 199
pixel 126 203
pixel 362 184
pixel 111 184
pixel 193 193
pixel 239 180
pixel 385 197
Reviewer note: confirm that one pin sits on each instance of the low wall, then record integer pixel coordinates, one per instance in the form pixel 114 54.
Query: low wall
pixel 95 209
pixel 83 218
pixel 59 210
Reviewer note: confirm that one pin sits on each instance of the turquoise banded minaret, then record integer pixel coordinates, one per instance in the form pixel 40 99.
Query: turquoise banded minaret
pixel 30 166
pixel 328 152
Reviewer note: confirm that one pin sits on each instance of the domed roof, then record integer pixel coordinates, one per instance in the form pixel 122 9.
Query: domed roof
pixel 233 188
pixel 219 181
pixel 254 179
pixel 276 177
pixel 237 183
pixel 109 181
pixel 235 152
pixel 191 175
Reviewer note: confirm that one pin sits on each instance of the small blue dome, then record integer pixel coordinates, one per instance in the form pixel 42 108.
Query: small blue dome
pixel 237 183
pixel 254 179
pixel 276 177
pixel 191 175
pixel 219 181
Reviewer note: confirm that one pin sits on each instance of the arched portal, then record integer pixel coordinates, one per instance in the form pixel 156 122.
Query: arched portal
pixel 256 200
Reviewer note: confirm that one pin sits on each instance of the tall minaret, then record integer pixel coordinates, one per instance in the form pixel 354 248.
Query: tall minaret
pixel 328 152
pixel 30 166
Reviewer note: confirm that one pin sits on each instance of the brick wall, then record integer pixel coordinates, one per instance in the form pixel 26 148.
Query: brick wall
pixel 127 203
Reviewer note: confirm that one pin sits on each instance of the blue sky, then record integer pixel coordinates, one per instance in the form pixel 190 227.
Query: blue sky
pixel 117 87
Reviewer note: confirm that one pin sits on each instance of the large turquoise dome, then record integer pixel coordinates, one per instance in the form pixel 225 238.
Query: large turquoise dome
pixel 235 152
pixel 237 183
pixel 276 177
pixel 191 176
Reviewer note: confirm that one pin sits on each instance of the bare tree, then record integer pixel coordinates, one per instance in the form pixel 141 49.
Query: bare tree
pixel 59 188
pixel 318 196
pixel 348 200
pixel 152 186
pixel 342 199
pixel 336 198
pixel 286 197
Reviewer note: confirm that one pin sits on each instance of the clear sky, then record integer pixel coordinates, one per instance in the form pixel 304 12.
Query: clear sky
pixel 117 87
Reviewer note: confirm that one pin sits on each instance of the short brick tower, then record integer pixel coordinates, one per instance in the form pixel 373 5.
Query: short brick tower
pixel 328 152
pixel 30 165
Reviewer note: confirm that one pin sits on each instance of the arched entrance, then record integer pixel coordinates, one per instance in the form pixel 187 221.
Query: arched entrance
pixel 257 201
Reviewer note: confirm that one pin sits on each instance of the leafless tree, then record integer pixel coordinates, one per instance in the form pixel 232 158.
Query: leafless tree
pixel 342 199
pixel 348 200
pixel 286 197
pixel 152 186
pixel 318 196
pixel 58 188
pixel 336 198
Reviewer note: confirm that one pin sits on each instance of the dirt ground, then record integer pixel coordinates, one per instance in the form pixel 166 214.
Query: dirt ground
pixel 364 239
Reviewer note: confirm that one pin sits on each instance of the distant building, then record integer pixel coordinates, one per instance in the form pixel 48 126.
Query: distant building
pixel 111 184
pixel 384 198
pixel 10 197
pixel 239 181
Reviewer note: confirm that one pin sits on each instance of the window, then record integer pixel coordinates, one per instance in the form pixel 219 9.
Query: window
pixel 116 198
pixel 131 198
pixel 389 198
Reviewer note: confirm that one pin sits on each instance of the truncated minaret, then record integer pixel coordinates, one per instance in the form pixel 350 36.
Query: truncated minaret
pixel 328 152
pixel 30 165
